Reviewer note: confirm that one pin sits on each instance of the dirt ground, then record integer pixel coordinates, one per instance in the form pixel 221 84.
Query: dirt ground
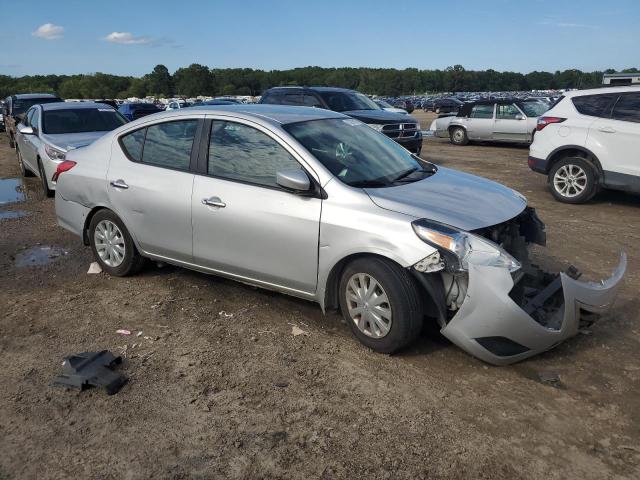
pixel 220 388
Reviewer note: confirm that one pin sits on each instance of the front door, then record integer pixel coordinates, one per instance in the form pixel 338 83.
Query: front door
pixel 150 186
pixel 511 124
pixel 244 224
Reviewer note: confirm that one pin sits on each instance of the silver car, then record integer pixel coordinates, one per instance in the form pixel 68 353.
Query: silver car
pixel 512 121
pixel 48 131
pixel 318 205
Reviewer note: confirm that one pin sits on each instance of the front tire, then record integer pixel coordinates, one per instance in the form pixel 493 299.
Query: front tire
pixel 573 180
pixel 381 304
pixel 458 136
pixel 45 183
pixel 112 245
pixel 24 171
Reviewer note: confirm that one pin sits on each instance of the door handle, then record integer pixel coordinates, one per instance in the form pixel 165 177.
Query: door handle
pixel 119 184
pixel 213 202
pixel 607 130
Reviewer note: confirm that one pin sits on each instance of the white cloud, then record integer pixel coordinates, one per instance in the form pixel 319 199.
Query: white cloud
pixel 49 31
pixel 126 38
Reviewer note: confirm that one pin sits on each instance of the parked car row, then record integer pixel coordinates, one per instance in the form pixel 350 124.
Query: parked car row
pixel 322 203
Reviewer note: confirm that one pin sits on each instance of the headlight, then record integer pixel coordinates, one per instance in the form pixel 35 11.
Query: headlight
pixel 462 248
pixel 54 153
pixel 376 126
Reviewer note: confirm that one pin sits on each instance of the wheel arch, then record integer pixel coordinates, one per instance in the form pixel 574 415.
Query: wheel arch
pixel 92 213
pixel 578 151
pixel 430 285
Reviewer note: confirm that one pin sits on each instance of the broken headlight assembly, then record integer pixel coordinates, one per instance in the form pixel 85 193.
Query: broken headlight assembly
pixel 459 248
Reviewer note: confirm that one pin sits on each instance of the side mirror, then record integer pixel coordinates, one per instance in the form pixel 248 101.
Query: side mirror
pixel 25 130
pixel 295 180
pixel 519 117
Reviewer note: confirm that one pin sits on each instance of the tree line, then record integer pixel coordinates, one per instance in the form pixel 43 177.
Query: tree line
pixel 201 80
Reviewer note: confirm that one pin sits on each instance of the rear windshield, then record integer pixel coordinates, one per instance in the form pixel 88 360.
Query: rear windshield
pixel 22 105
pixel 347 101
pixel 533 108
pixel 81 120
pixel 147 106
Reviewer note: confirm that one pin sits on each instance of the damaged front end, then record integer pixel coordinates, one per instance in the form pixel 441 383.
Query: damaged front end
pixel 503 314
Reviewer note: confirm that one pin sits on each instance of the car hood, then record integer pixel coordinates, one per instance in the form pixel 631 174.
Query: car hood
pixel 380 116
pixel 454 198
pixel 69 141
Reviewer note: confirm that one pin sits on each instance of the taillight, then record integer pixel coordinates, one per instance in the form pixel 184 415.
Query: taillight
pixel 544 121
pixel 63 167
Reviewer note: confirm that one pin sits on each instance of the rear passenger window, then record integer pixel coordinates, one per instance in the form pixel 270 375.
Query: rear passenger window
pixel 164 144
pixel 482 111
pixel 169 144
pixel 311 101
pixel 628 108
pixel 272 98
pixel 243 153
pixel 594 105
pixel 132 144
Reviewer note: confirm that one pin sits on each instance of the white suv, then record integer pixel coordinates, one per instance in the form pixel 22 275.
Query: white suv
pixel 590 139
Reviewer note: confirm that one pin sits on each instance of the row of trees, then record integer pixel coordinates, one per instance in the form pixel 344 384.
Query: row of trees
pixel 201 80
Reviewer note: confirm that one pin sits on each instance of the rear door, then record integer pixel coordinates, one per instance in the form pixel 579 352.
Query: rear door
pixel 618 138
pixel 150 184
pixel 510 124
pixel 244 224
pixel 480 122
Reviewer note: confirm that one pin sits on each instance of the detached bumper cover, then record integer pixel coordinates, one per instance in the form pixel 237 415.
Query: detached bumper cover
pixel 492 327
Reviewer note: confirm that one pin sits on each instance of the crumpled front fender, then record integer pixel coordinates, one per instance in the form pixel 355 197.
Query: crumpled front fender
pixel 491 326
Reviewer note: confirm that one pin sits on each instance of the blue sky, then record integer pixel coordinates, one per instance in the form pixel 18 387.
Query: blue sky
pixel 131 37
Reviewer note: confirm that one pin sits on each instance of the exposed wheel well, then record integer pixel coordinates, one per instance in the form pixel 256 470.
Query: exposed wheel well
pixel 576 152
pixel 87 221
pixel 451 127
pixel 430 287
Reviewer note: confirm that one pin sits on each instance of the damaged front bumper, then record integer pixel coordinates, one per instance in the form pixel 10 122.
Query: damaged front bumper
pixel 490 325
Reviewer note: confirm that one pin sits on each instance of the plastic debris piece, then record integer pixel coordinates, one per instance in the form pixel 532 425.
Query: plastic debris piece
pixel 224 314
pixel 91 369
pixel 122 331
pixel 94 268
pixel 139 334
pixel 296 331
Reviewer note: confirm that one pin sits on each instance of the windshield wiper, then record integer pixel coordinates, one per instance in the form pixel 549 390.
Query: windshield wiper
pixel 368 184
pixel 404 174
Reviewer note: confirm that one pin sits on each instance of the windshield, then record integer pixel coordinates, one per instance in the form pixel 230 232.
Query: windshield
pixel 347 101
pixel 357 154
pixel 533 108
pixel 81 120
pixel 22 105
pixel 144 106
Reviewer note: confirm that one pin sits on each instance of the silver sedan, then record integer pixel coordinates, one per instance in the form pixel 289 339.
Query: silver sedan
pixel 48 131
pixel 318 205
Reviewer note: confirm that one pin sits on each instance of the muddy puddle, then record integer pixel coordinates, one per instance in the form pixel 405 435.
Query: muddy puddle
pixel 39 255
pixel 13 214
pixel 11 190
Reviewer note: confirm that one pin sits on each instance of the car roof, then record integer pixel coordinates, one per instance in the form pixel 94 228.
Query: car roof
pixel 74 105
pixel 600 91
pixel 317 89
pixel 277 114
pixel 28 96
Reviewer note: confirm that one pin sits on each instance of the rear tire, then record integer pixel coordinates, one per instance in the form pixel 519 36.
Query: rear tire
pixel 45 183
pixel 381 304
pixel 458 136
pixel 573 180
pixel 113 247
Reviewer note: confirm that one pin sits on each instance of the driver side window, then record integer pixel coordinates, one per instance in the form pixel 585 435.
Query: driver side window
pixel 243 153
pixel 507 112
pixel 35 119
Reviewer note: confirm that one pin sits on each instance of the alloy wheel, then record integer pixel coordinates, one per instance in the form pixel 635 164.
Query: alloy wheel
pixel 109 243
pixel 368 305
pixel 570 180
